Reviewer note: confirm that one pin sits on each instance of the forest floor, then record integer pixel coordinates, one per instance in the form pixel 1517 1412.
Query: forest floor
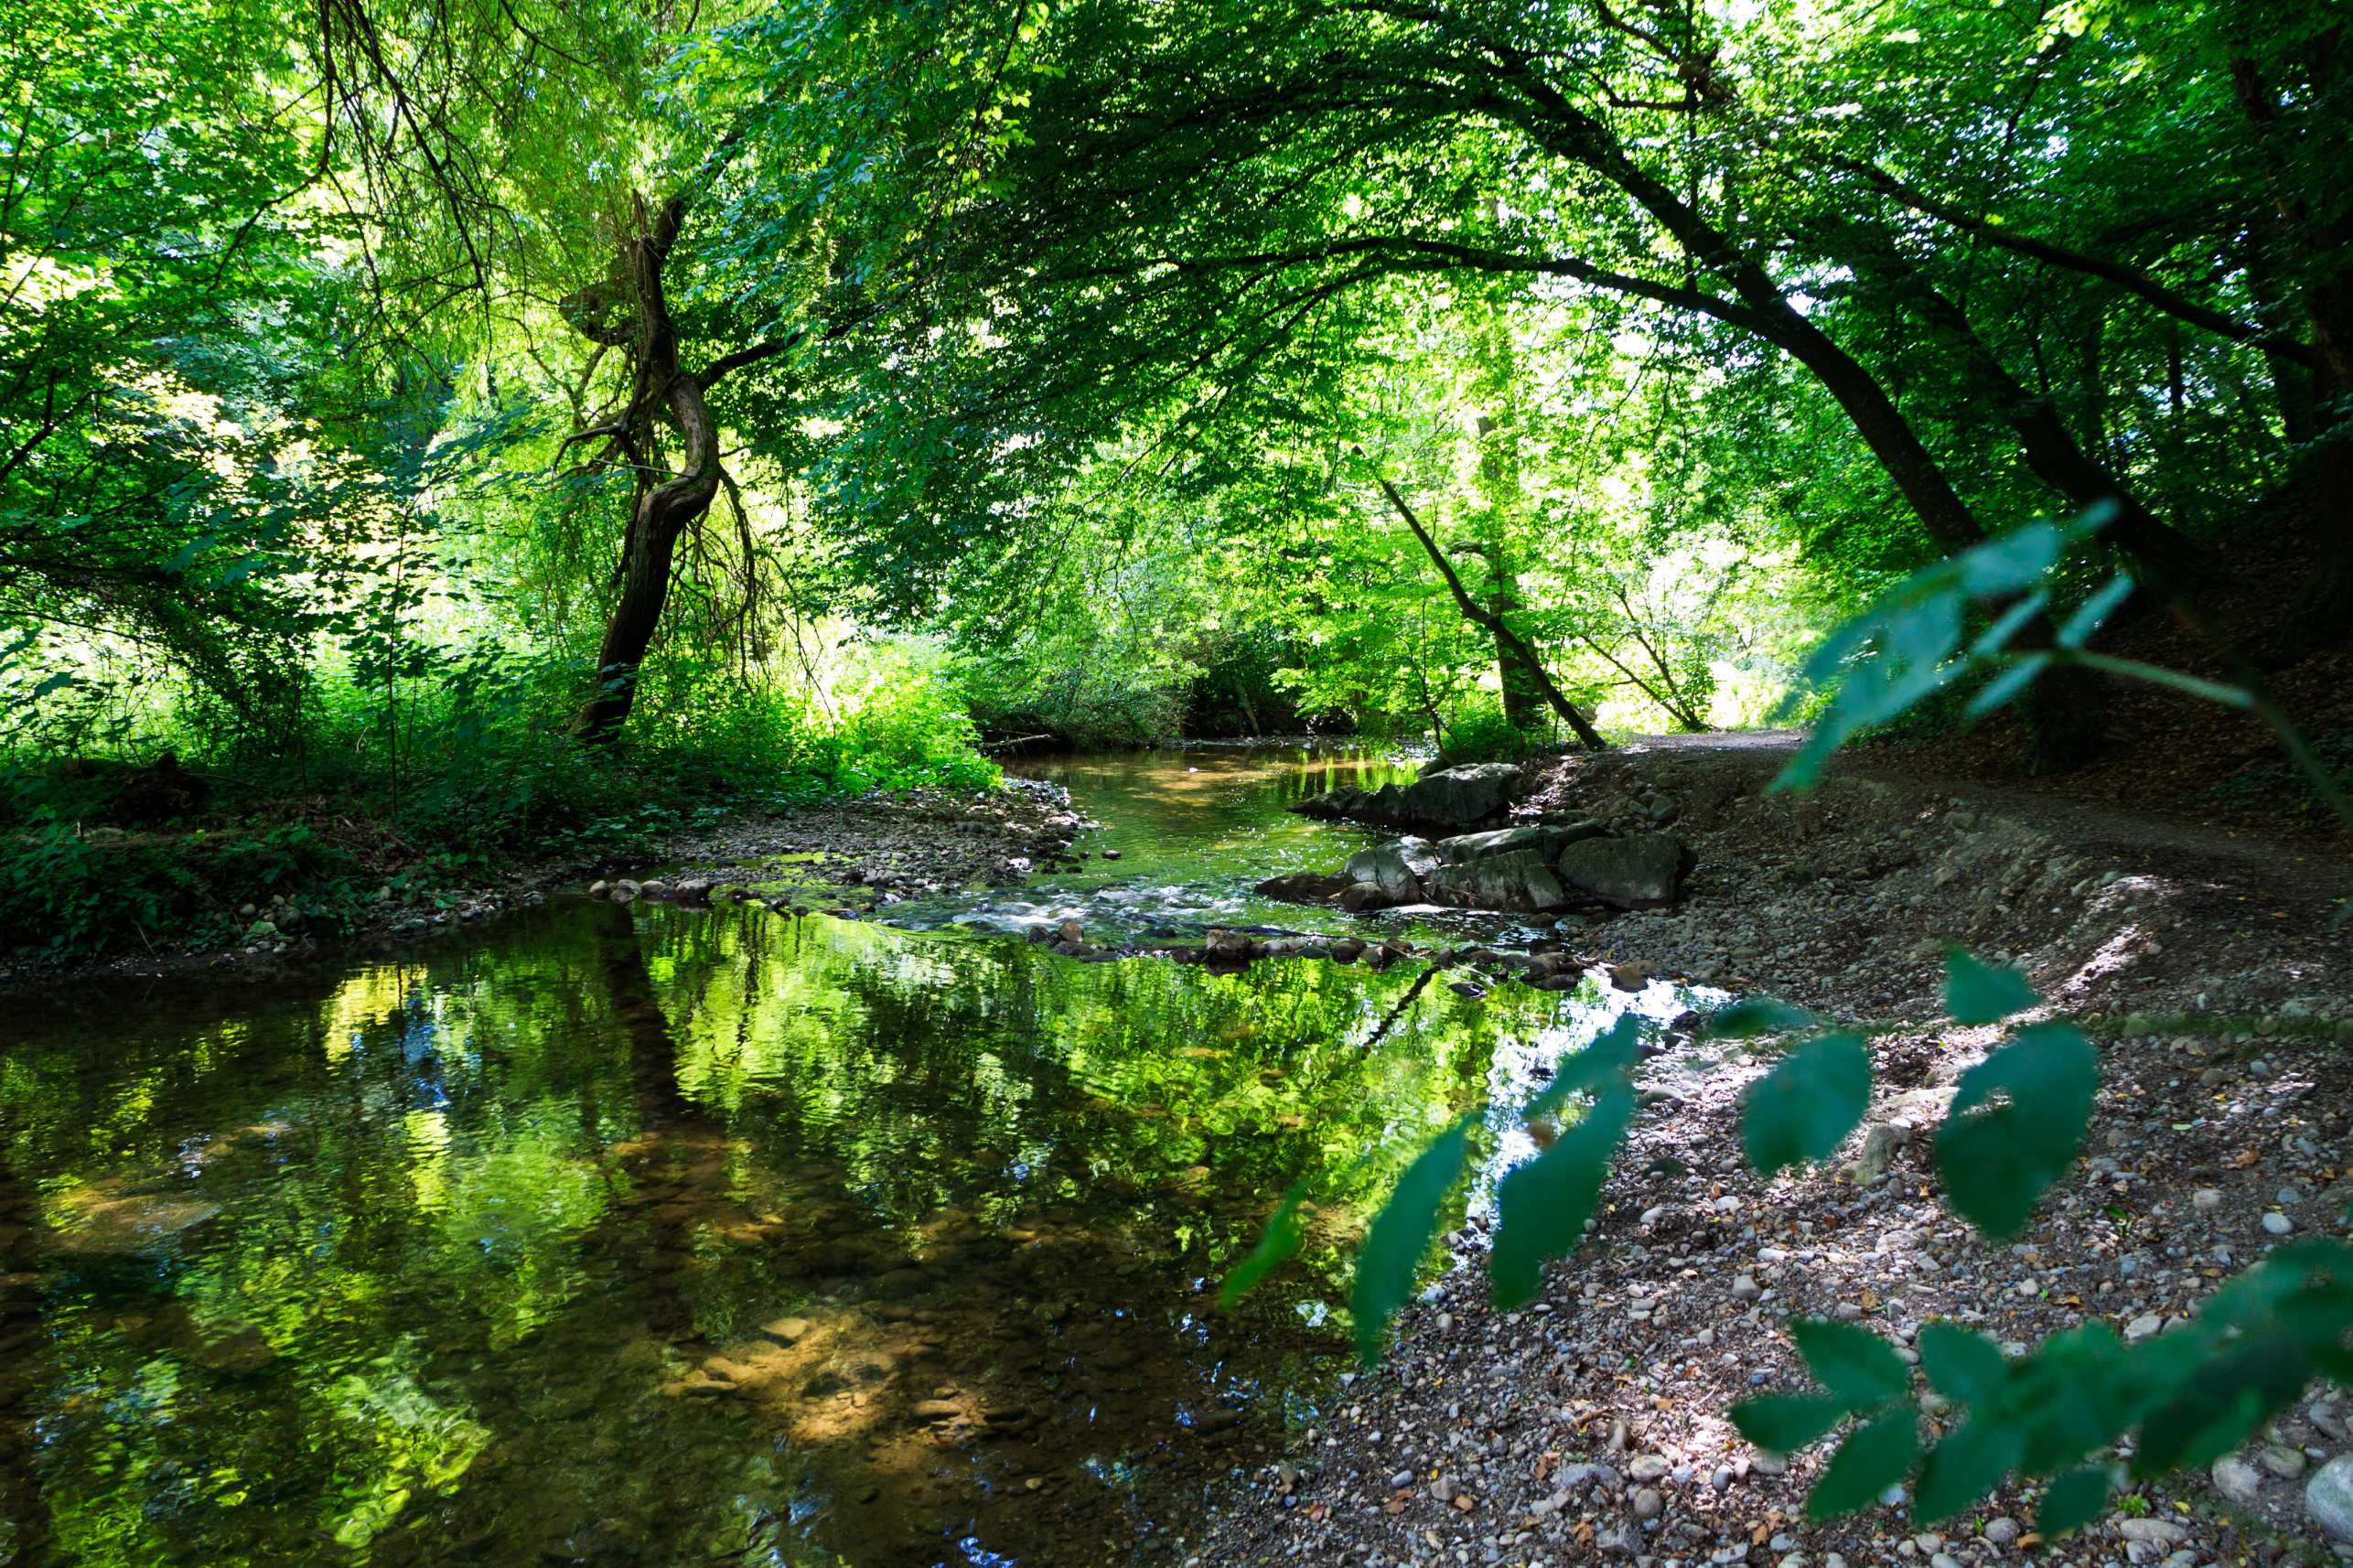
pixel 1593 1425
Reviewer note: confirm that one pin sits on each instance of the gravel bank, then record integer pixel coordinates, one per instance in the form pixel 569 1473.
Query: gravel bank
pixel 1593 1426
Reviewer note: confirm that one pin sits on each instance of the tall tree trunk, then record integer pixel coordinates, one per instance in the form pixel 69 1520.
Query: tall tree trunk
pixel 2320 251
pixel 2165 559
pixel 2292 382
pixel 1479 616
pixel 1497 388
pixel 1523 693
pixel 663 508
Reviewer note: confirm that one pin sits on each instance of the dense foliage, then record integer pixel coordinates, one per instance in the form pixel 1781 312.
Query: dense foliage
pixel 518 424
pixel 614 354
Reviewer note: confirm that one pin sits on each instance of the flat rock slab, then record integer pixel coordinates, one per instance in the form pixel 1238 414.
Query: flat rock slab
pixel 1546 841
pixel 1641 871
pixel 1517 881
pixel 1397 869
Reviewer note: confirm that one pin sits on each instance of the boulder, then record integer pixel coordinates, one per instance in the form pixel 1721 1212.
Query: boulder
pixel 1452 798
pixel 2329 1497
pixel 1225 947
pixel 1386 804
pixel 1397 869
pixel 1639 871
pixel 1546 842
pixel 1359 897
pixel 1461 796
pixel 1304 886
pixel 1518 880
pixel 1332 805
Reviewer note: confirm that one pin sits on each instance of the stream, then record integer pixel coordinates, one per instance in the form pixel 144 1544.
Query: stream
pixel 650 1234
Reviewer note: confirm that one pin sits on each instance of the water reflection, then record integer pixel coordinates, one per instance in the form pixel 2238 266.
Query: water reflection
pixel 644 1235
pixel 654 1235
pixel 1193 830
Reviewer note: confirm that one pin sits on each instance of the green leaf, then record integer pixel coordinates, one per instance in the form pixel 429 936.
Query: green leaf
pixel 2011 563
pixel 1976 993
pixel 1964 1366
pixel 1277 1245
pixel 1872 1459
pixel 1600 1065
pixel 2074 1501
pixel 1401 1234
pixel 1784 1422
pixel 2006 686
pixel 1542 1206
pixel 2015 1125
pixel 1804 1108
pixel 1853 1363
pixel 2095 610
pixel 1965 1466
pixel 1758 1015
pixel 1995 639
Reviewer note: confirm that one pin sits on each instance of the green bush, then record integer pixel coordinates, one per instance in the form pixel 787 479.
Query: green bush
pixel 1484 735
pixel 469 770
pixel 908 740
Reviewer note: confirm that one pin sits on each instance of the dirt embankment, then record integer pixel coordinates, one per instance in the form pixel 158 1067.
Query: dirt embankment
pixel 1593 1426
pixel 1844 899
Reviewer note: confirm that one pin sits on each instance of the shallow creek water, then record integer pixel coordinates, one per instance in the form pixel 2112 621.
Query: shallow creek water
pixel 657 1235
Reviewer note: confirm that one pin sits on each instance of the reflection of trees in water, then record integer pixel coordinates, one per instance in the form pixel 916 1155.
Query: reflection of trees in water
pixel 1020 1178
pixel 24 1513
pixel 499 1220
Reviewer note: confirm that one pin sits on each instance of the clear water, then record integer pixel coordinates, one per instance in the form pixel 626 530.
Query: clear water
pixel 1194 830
pixel 654 1235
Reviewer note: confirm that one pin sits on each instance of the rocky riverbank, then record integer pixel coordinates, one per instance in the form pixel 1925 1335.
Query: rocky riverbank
pixel 850 857
pixel 1591 1427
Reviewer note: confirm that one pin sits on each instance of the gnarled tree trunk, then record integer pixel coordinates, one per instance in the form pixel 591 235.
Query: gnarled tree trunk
pixel 662 508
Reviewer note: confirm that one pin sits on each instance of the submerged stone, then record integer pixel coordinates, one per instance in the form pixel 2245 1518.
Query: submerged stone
pixel 1303 886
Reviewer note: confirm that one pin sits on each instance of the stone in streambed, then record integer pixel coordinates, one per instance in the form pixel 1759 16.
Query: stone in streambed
pixel 1639 871
pixel 1518 880
pixel 1225 947
pixel 1397 869
pixel 1546 842
pixel 1461 796
pixel 1453 798
pixel 1303 887
pixel 2329 1497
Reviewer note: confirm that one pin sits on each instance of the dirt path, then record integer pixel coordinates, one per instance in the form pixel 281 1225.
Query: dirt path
pixel 1591 1427
pixel 2321 863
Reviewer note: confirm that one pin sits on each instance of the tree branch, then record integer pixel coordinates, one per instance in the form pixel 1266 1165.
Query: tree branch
pixel 1477 615
pixel 2130 279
